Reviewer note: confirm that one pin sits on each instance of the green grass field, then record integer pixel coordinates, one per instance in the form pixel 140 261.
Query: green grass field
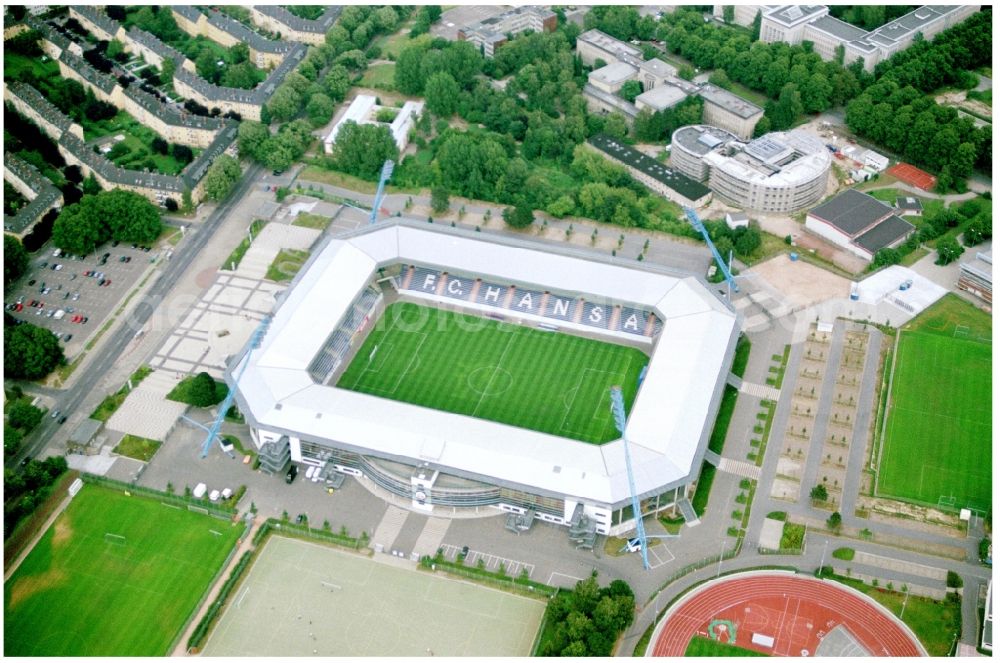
pixel 938 432
pixel 702 646
pixel 80 593
pixel 544 381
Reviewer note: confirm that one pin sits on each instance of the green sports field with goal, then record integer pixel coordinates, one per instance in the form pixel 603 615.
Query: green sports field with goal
pixel 938 431
pixel 113 576
pixel 512 374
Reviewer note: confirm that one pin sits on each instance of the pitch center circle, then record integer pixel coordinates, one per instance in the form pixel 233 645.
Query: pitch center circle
pixel 490 380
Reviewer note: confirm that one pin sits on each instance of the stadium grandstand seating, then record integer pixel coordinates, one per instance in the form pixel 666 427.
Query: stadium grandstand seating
pixel 557 306
pixel 338 343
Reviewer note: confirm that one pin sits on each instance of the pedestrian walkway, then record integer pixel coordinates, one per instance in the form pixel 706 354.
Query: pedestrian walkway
pixel 760 390
pixel 690 517
pixel 740 468
pixel 431 536
pixel 388 528
pixel 146 411
pixel 713 458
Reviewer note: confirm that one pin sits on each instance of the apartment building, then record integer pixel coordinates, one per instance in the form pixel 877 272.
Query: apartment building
pixel 40 193
pixel 288 26
pixel 492 33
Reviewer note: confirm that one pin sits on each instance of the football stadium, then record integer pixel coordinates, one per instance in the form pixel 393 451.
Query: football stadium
pixel 461 369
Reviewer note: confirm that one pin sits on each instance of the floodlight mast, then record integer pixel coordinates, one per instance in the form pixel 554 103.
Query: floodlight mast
pixel 618 411
pixel 380 192
pixel 227 402
pixel 700 227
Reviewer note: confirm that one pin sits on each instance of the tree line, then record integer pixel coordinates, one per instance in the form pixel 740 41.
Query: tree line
pixel 588 620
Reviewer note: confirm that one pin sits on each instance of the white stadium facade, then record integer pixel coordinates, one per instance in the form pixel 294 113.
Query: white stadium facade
pixel 443 461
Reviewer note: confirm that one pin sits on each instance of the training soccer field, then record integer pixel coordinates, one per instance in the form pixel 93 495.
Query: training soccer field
pixel 936 447
pixel 305 599
pixel 81 593
pixel 545 381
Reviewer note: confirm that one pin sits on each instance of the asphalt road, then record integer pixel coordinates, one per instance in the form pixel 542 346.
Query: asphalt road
pixel 114 346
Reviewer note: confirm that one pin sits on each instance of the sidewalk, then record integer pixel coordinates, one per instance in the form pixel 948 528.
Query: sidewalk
pixel 246 545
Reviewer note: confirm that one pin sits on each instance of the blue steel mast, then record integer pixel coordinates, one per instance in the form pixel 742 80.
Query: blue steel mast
pixel 700 227
pixel 380 192
pixel 227 402
pixel 618 410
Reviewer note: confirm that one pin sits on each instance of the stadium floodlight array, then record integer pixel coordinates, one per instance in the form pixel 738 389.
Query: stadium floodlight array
pixel 618 410
pixel 380 193
pixel 700 227
pixel 227 402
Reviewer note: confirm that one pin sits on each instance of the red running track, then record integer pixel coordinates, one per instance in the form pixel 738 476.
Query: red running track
pixel 797 611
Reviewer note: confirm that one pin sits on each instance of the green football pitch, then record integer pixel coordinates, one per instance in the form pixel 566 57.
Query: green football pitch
pixel 545 381
pixel 113 576
pixel 702 646
pixel 938 431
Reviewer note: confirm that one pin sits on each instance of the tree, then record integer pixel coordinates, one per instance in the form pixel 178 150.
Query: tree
pixel 439 199
pixel 79 228
pixel 30 352
pixel 630 90
pixel 206 67
pixel 319 109
pixel 978 231
pixel 686 72
pixel 130 216
pixel 22 414
pixel 115 49
pixel 361 149
pixel 948 250
pixel 244 76
pixel 15 259
pixel 719 78
pixel 251 137
pixel 201 391
pixel 755 27
pixel 819 493
pixel 520 216
pixel 408 77
pixel 284 103
pixel 160 146
pixel 221 177
pixel 561 206
pixel 885 257
pixel 441 94
pixel 385 18
pixel 182 153
pixel 239 52
pixel 615 126
pixel 746 240
pixel 834 521
pixel 167 69
pixel 337 82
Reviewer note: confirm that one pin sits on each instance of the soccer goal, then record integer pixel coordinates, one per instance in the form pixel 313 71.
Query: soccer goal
pixel 116 539
pixel 961 331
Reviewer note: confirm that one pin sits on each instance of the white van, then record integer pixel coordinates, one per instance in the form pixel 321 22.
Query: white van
pixel 199 491
pixel 57 253
pixel 214 496
pixel 58 315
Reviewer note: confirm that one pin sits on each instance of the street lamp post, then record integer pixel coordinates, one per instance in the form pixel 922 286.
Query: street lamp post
pixel 722 550
pixel 822 559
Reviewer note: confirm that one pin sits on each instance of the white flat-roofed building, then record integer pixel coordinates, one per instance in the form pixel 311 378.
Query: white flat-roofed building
pixel 593 45
pixel 290 402
pixel 729 111
pixel 787 23
pixel 976 276
pixel 660 98
pixel 611 77
pixel 776 173
pixel 654 73
pixel 364 110
pixel 690 144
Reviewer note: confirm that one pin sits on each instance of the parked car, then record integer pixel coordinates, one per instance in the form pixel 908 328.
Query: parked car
pixel 67 338
pixel 293 471
pixel 107 282
pixel 62 420
pixel 31 283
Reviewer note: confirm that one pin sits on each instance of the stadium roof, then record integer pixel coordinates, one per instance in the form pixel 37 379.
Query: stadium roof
pixel 669 423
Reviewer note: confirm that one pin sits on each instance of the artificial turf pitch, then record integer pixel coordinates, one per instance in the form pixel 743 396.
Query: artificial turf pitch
pixel 80 593
pixel 939 427
pixel 512 374
pixel 702 646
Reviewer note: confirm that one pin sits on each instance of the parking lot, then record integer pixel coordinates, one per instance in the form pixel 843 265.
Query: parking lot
pixel 60 283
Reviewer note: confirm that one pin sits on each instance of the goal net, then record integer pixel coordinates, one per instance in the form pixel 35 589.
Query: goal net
pixel 116 539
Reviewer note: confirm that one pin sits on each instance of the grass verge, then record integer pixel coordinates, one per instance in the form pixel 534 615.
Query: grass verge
pixel 111 404
pixel 234 259
pixel 286 265
pixel 137 447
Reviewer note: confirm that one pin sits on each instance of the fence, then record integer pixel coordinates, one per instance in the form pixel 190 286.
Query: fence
pixel 211 509
pixel 521 585
pixel 201 631
pixel 307 532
